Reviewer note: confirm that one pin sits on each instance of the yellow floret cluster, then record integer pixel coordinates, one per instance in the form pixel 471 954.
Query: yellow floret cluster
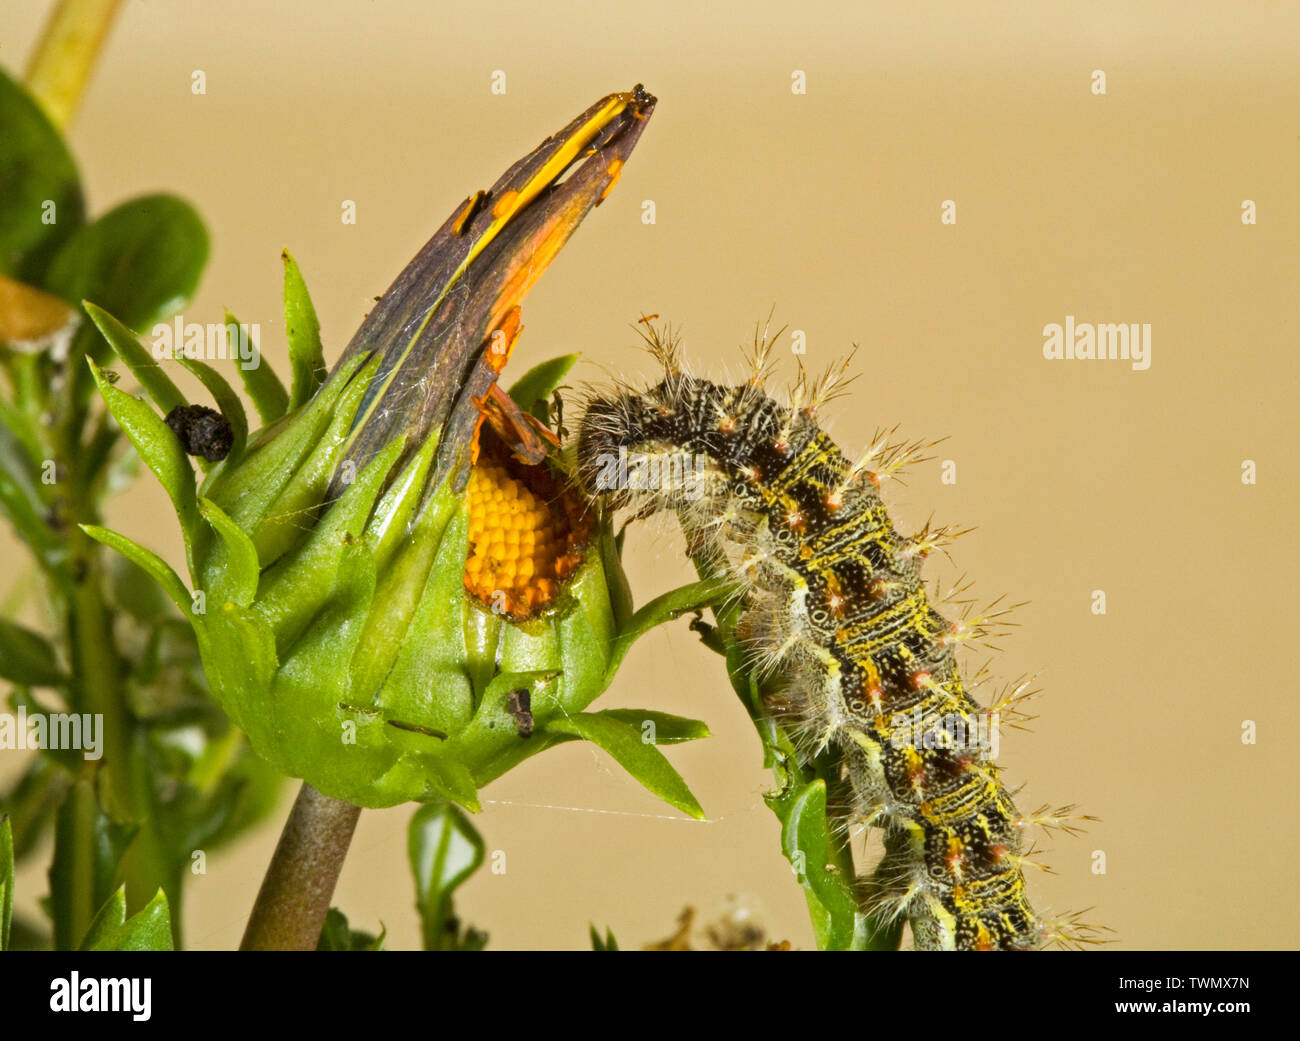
pixel 527 534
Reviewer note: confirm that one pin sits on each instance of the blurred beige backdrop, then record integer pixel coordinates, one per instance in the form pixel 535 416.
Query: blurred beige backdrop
pixel 1078 475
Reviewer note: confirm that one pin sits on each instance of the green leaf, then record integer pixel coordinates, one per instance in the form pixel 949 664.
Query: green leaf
pixel 6 880
pixel 444 849
pixel 20 499
pixel 88 851
pixel 140 261
pixel 693 597
pixel 607 943
pixel 643 761
pixel 337 935
pixel 135 592
pixel 303 331
pixel 32 802
pixel 160 450
pixel 21 448
pixel 536 386
pixel 35 167
pixel 28 658
pixel 264 388
pixel 806 841
pixel 668 729
pixel 143 365
pixel 149 929
pixel 154 565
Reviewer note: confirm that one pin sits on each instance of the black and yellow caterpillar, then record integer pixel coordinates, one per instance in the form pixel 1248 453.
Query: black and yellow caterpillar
pixel 835 605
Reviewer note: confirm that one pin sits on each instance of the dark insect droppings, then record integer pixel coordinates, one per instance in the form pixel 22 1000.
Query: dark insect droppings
pixel 519 705
pixel 201 431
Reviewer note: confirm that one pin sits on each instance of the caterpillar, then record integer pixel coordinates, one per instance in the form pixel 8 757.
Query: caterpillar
pixel 834 605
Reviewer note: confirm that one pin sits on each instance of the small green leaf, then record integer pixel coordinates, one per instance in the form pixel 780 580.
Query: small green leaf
pixel 806 841
pixel 303 331
pixel 149 929
pixel 143 365
pixel 668 729
pixel 26 657
pixel 337 935
pixel 140 261
pixel 32 802
pixel 36 172
pixel 264 388
pixel 535 387
pixel 444 849
pixel 6 880
pixel 606 943
pixel 135 592
pixel 693 597
pixel 88 851
pixel 237 576
pixel 643 761
pixel 153 564
pixel 20 498
pixel 160 450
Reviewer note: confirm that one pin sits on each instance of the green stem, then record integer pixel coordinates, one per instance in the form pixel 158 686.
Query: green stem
pixel 295 895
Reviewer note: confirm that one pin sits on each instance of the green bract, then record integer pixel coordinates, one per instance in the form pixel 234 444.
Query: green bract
pixel 336 632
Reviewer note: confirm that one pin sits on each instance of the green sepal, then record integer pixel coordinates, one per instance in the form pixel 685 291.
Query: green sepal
pixel 143 365
pixel 277 490
pixel 297 583
pixel 263 386
pixel 149 929
pixel 302 329
pixel 154 565
pixel 236 575
pixel 161 451
pixel 533 390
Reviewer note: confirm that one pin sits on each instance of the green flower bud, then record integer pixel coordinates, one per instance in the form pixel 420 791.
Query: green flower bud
pixel 393 599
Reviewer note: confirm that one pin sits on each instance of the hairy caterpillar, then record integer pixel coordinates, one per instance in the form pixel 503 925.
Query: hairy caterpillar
pixel 835 605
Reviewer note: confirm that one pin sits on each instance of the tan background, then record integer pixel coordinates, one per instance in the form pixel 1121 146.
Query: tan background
pixel 1079 476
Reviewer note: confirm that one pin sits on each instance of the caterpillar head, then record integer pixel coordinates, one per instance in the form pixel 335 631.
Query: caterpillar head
pixel 642 450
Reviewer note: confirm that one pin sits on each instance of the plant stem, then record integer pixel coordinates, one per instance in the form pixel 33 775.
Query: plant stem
pixel 295 896
pixel 62 61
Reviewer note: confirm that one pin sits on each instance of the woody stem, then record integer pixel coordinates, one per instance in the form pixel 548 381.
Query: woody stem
pixel 295 895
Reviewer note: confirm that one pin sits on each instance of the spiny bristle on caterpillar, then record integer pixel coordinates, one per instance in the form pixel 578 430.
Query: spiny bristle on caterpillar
pixel 1061 818
pixel 1070 932
pixel 836 619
